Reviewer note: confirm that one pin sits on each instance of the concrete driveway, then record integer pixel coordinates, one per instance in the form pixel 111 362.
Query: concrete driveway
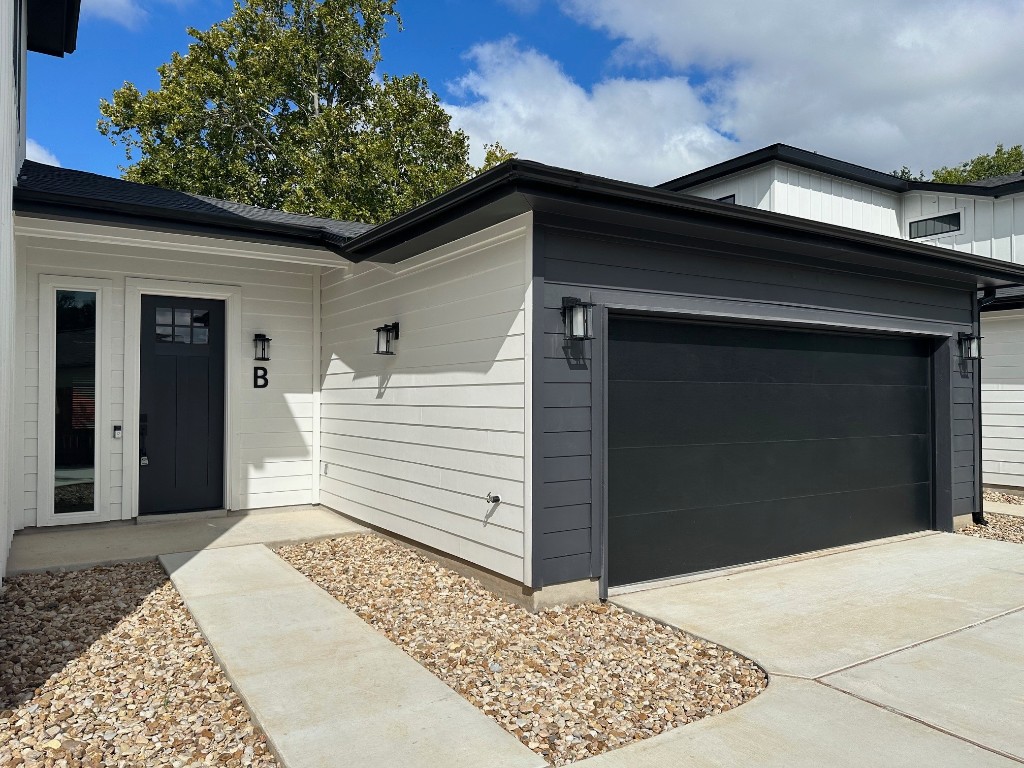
pixel 907 652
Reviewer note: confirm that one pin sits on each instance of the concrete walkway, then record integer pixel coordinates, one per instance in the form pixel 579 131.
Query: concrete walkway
pixel 1002 508
pixel 904 653
pixel 76 547
pixel 328 689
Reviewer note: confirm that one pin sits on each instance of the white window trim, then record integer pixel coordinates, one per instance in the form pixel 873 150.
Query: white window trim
pixel 935 215
pixel 48 287
pixel 231 295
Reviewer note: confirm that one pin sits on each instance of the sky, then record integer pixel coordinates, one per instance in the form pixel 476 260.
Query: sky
pixel 639 90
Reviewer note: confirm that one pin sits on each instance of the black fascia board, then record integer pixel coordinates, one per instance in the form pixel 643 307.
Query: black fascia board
pixel 812 161
pixel 521 185
pixel 53 26
pixel 54 205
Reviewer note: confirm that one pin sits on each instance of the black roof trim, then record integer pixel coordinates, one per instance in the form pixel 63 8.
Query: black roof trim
pixel 784 153
pixel 53 26
pixel 526 180
pixel 43 189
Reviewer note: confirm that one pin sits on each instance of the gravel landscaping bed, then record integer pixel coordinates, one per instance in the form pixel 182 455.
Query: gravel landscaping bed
pixel 1002 498
pixel 999 528
pixel 569 682
pixel 105 667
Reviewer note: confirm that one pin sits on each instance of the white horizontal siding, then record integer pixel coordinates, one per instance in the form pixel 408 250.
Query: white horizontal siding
pixel 413 443
pixel 1002 399
pixel 274 461
pixel 990 227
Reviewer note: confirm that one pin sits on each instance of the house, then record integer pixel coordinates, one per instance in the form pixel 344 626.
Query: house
pixel 984 218
pixel 562 382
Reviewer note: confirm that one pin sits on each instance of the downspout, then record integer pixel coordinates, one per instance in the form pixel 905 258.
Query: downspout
pixel 978 516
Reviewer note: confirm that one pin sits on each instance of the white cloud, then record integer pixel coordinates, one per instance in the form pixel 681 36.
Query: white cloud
pixel 882 84
pixel 638 130
pixel 36 151
pixel 127 13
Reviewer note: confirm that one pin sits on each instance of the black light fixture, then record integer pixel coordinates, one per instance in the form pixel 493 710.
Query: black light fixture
pixel 261 347
pixel 970 346
pixel 578 316
pixel 386 335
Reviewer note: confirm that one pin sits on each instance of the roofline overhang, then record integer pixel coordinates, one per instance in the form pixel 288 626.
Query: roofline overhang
pixel 53 26
pixel 783 153
pixel 27 201
pixel 519 185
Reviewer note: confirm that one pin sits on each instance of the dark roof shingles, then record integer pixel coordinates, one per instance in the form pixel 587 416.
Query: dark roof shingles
pixel 49 179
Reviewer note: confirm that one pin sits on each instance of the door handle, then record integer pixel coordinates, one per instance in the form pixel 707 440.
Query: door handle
pixel 143 430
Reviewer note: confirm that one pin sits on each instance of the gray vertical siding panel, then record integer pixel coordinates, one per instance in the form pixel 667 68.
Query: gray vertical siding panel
pixel 568 397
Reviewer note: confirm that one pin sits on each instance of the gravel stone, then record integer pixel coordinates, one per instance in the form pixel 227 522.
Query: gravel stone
pixel 105 667
pixel 999 528
pixel 568 682
pixel 1003 498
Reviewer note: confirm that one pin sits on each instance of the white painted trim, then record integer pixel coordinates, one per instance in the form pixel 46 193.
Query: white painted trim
pixel 16 461
pixel 134 289
pixel 528 436
pixel 48 287
pixel 316 391
pixel 26 225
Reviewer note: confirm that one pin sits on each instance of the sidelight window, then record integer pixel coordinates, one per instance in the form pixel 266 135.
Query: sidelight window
pixel 75 402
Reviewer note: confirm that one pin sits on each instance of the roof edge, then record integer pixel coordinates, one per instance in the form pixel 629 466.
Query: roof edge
pixel 812 161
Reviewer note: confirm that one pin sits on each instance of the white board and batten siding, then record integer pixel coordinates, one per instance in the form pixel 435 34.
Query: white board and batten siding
pixel 414 442
pixel 795 191
pixel 992 227
pixel 1002 398
pixel 273 433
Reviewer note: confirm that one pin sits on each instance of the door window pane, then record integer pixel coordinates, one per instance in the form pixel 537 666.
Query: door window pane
pixel 200 335
pixel 164 334
pixel 183 317
pixel 201 318
pixel 75 416
pixel 182 335
pixel 163 316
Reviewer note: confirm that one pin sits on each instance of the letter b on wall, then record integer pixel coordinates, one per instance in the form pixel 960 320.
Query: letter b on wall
pixel 260 379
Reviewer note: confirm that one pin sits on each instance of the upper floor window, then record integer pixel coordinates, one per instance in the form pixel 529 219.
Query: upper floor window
pixel 935 225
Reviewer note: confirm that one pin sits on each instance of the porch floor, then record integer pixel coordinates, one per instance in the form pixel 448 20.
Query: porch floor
pixel 74 547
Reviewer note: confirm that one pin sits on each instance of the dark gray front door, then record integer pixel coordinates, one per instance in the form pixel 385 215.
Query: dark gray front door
pixel 729 444
pixel 181 405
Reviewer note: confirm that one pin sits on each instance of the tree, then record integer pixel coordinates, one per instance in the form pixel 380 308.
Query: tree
pixel 495 155
pixel 999 163
pixel 280 106
pixel 1002 161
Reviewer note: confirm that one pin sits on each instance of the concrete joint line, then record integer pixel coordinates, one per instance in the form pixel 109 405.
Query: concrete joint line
pixel 919 643
pixel 925 723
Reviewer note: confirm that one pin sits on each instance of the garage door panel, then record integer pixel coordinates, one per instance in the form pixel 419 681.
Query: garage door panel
pixel 703 539
pixel 738 412
pixel 667 353
pixel 728 444
pixel 642 480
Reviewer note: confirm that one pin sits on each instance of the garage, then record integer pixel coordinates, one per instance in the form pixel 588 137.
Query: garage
pixel 729 444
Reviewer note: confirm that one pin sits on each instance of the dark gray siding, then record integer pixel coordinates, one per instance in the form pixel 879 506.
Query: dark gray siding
pixel 626 272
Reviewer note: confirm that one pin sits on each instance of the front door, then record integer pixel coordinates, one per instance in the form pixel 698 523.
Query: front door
pixel 181 405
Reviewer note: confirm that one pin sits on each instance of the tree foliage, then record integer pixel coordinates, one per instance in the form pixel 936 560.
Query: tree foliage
pixel 495 155
pixel 281 106
pixel 1000 163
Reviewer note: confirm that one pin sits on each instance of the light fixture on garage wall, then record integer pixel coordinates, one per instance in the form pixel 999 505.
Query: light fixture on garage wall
pixel 386 336
pixel 970 346
pixel 261 347
pixel 578 316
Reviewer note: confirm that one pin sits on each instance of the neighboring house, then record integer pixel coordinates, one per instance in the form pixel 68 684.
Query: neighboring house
pixel 984 218
pixel 564 382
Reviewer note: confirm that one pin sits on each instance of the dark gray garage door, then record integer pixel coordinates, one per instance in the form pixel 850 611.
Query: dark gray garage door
pixel 732 444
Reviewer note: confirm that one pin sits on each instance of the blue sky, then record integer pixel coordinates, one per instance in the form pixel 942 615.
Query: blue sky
pixel 642 90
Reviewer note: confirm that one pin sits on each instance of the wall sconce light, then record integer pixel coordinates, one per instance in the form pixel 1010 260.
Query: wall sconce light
pixel 578 316
pixel 386 335
pixel 970 346
pixel 261 347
